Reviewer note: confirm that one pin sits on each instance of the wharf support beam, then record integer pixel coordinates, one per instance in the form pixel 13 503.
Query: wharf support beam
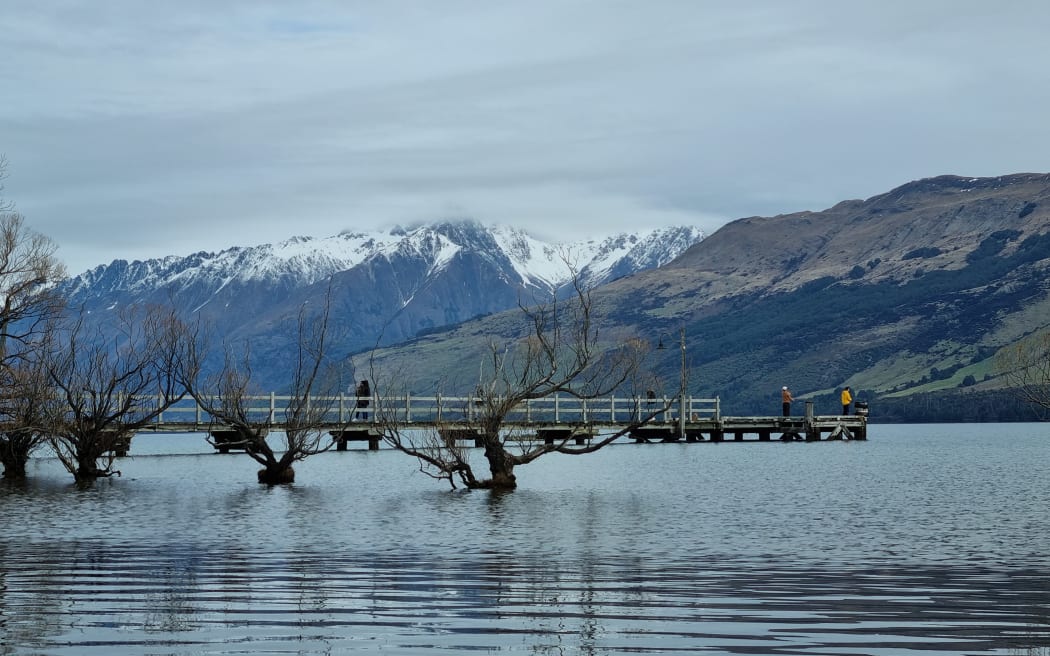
pixel 644 434
pixel 226 439
pixel 456 433
pixel 120 443
pixel 549 436
pixel 341 437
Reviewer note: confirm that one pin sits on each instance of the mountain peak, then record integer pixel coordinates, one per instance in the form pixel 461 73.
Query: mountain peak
pixel 393 284
pixel 950 185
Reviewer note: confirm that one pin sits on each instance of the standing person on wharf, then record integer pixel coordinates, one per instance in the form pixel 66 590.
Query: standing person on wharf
pixel 786 398
pixel 364 395
pixel 847 399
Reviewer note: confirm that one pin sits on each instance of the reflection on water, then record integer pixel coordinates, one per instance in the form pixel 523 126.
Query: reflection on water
pixel 918 542
pixel 97 600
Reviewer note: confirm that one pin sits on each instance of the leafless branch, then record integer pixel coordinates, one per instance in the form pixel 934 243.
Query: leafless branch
pixel 560 353
pixel 110 387
pixel 316 381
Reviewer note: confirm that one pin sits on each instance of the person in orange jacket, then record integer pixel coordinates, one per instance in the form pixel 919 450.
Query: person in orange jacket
pixel 847 399
pixel 786 398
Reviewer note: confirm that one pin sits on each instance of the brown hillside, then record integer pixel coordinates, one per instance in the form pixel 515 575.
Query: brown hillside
pixel 881 234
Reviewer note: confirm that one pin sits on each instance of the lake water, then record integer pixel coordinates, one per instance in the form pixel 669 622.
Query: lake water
pixel 923 540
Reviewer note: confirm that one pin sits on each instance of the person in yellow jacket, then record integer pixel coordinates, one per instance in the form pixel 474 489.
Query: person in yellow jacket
pixel 847 399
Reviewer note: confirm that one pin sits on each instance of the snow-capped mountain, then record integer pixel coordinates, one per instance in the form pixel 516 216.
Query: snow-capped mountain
pixel 386 286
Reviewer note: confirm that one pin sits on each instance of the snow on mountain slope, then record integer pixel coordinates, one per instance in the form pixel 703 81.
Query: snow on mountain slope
pixel 537 262
pixel 429 246
pixel 624 254
pixel 302 261
pixel 597 260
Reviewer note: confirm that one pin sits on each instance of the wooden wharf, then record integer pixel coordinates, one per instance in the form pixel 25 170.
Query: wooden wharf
pixel 550 419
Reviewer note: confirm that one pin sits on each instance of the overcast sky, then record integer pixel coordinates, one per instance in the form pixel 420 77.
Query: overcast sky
pixel 139 129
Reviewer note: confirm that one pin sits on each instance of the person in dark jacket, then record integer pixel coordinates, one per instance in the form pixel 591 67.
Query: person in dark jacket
pixel 364 395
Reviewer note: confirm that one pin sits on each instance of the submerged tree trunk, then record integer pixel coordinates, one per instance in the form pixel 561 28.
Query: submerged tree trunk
pixel 14 463
pixel 275 471
pixel 501 465
pixel 277 475
pixel 15 449
pixel 88 470
pixel 95 454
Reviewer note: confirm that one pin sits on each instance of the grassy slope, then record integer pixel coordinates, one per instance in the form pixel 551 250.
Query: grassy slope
pixel 925 335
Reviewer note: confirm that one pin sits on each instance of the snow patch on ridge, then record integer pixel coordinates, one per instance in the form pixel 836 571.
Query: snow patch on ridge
pixel 302 261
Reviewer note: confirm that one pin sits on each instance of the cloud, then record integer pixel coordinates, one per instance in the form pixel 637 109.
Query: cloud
pixel 142 129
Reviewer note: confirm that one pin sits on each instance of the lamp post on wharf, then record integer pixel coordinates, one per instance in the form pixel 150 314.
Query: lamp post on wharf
pixel 681 381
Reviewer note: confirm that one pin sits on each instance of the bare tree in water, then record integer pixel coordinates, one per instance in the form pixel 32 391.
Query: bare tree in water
pixel 111 383
pixel 561 354
pixel 1025 367
pixel 29 303
pixel 311 401
pixel 27 406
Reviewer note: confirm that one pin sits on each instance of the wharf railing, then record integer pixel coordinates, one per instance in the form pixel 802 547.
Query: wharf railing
pixel 421 410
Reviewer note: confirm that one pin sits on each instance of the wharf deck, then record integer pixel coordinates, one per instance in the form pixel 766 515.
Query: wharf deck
pixel 760 429
pixel 550 419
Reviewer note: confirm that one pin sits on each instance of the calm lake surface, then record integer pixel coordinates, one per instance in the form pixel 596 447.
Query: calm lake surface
pixel 925 540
